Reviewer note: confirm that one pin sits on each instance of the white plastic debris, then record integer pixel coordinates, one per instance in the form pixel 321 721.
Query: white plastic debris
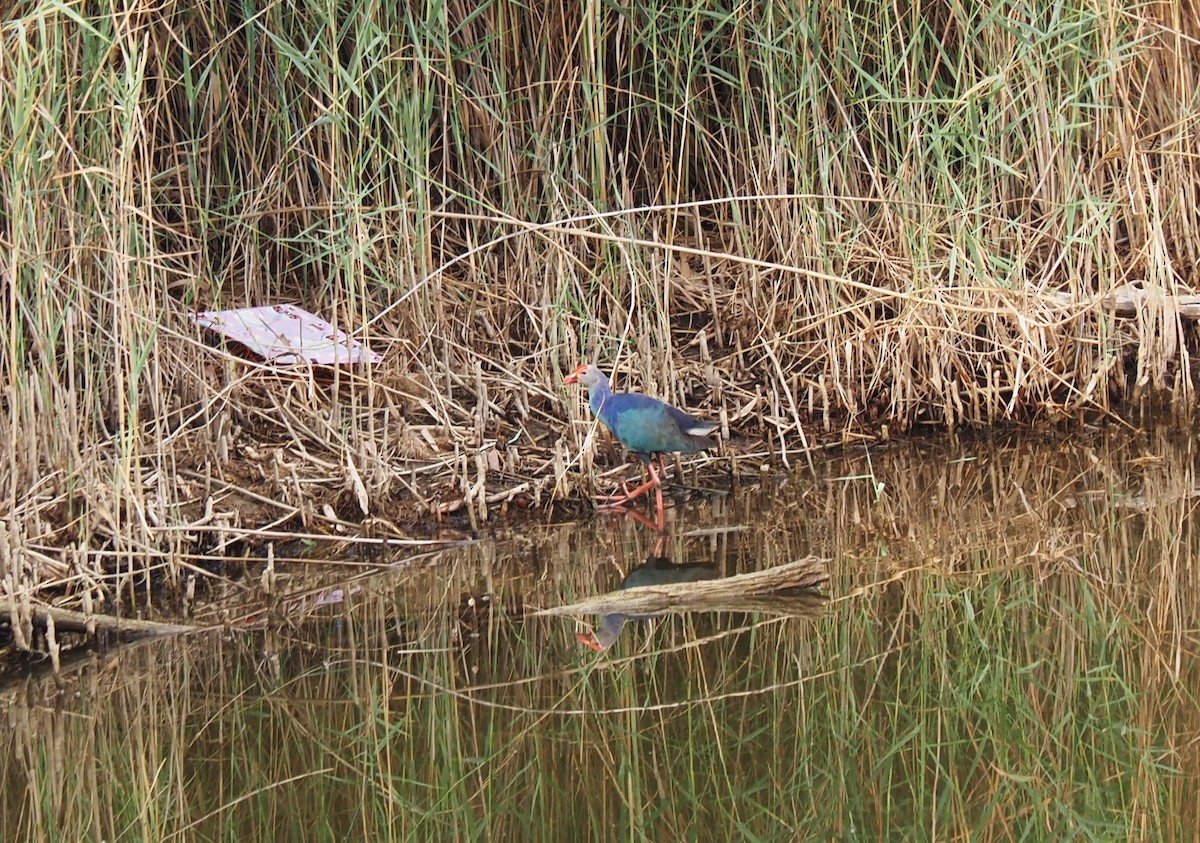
pixel 286 335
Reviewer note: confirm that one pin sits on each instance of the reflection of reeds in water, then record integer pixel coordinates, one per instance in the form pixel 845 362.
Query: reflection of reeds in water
pixel 1008 651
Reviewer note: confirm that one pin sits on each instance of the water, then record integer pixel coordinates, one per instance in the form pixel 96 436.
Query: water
pixel 1008 650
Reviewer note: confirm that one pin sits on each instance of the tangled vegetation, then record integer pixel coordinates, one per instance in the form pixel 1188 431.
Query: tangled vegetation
pixel 800 219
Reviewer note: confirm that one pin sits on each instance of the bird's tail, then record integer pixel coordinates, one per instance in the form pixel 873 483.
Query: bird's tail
pixel 700 432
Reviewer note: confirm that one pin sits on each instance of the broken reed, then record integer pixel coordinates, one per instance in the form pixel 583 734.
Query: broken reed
pixel 828 215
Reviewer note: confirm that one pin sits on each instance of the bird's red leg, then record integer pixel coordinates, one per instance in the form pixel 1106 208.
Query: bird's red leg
pixel 616 500
pixel 655 483
pixel 636 516
pixel 663 465
pixel 658 545
pixel 658 501
pixel 613 500
pixel 661 523
pixel 625 495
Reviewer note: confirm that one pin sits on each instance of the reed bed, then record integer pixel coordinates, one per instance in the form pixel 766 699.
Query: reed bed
pixel 805 222
pixel 1009 647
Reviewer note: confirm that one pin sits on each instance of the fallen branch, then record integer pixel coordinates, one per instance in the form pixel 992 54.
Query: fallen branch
pixel 744 592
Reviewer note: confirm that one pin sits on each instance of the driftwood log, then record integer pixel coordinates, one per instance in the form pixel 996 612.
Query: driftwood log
pixel 785 589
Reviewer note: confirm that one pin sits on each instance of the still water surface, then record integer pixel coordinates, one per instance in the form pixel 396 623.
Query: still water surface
pixel 1008 650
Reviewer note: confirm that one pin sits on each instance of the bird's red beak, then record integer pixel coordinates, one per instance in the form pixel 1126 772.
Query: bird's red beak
pixel 574 376
pixel 589 640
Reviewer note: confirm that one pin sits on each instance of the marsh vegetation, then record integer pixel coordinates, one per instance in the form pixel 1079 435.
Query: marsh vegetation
pixel 822 226
pixel 1008 651
pixel 803 222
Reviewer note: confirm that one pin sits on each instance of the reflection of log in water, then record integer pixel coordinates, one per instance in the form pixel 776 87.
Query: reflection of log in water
pixel 28 619
pixel 760 591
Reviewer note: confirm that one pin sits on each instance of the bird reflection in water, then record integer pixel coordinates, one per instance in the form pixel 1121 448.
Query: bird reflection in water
pixel 659 586
pixel 656 570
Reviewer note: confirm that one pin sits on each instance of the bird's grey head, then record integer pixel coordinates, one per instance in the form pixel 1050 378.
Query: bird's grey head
pixel 587 375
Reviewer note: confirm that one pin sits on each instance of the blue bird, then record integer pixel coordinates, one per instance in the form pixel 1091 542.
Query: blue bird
pixel 644 426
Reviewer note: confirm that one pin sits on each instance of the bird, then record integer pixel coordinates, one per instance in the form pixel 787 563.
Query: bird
pixel 656 570
pixel 644 426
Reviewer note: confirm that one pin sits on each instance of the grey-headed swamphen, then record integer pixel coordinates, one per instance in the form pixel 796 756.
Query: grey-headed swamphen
pixel 645 426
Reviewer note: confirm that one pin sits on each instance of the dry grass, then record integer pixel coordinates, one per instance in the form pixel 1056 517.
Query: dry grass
pixel 826 220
